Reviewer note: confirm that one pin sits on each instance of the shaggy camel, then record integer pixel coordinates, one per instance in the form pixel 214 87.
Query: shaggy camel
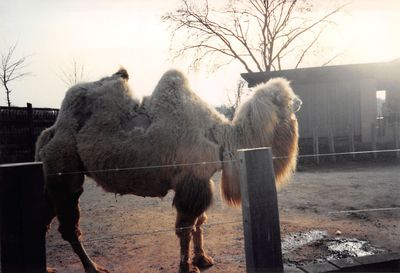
pixel 101 128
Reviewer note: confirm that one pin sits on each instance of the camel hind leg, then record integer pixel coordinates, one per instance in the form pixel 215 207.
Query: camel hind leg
pixel 58 152
pixel 65 191
pixel 192 198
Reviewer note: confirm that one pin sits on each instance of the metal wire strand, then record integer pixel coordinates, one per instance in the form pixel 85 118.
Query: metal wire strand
pixel 151 232
pixel 206 225
pixel 363 210
pixel 216 162
pixel 142 167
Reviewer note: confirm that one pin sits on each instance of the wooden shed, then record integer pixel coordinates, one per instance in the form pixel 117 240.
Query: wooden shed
pixel 358 99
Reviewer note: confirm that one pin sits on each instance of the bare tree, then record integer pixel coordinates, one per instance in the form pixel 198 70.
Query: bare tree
pixel 11 69
pixel 260 34
pixel 234 100
pixel 73 74
pixel 238 95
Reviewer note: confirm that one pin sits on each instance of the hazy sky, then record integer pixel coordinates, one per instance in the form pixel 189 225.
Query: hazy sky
pixel 104 34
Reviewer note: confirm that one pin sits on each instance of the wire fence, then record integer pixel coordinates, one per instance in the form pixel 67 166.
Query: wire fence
pixel 217 162
pixel 363 210
pixel 209 225
pixel 206 226
pixel 150 232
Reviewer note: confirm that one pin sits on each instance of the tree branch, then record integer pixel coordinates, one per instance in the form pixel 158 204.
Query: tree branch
pixel 11 70
pixel 256 33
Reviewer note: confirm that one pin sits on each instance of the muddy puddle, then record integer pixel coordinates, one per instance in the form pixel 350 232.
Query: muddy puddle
pixel 344 247
pixel 296 240
pixel 324 247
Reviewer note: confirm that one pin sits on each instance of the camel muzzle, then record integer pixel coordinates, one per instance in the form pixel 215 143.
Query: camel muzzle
pixel 297 103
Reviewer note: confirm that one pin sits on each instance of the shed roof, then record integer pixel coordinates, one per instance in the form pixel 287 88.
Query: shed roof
pixel 381 71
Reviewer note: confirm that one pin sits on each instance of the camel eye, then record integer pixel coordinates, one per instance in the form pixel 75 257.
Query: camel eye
pixel 296 104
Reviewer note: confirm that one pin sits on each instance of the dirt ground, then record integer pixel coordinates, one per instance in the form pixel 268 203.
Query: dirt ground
pixel 135 234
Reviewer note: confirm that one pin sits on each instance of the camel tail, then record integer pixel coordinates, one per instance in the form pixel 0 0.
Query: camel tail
pixel 230 184
pixel 44 138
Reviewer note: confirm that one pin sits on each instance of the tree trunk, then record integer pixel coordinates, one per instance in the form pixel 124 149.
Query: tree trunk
pixel 8 95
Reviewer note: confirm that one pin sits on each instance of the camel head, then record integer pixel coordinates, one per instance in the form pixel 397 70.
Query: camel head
pixel 279 92
pixel 267 119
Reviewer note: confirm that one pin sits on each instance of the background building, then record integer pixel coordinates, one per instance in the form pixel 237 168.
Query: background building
pixel 359 101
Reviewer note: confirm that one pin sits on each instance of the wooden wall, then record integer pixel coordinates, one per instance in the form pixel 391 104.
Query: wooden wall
pixel 329 106
pixel 368 108
pixel 341 100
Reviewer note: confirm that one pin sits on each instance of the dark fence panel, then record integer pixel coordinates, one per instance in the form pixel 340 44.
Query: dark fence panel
pixel 19 129
pixel 22 223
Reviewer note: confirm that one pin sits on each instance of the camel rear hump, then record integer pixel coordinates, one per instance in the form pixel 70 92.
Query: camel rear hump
pixel 43 139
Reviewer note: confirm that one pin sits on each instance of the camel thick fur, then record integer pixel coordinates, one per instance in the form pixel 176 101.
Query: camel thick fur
pixel 102 131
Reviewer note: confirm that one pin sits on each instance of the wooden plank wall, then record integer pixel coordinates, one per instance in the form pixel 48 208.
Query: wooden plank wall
pixel 368 108
pixel 329 106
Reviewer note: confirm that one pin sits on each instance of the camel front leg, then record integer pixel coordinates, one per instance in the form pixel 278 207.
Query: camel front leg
pixel 184 226
pixel 192 198
pixel 201 259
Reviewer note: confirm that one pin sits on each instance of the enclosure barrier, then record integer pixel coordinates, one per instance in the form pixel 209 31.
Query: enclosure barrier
pixel 22 218
pixel 22 214
pixel 262 236
pixel 19 128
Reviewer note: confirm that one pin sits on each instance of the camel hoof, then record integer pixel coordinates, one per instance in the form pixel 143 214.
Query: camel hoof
pixel 51 270
pixel 97 269
pixel 203 261
pixel 189 268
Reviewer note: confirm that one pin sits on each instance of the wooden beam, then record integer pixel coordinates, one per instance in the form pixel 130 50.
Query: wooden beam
pixel 331 141
pixel 260 211
pixel 373 140
pixel 396 138
pixel 351 141
pixel 31 130
pixel 316 146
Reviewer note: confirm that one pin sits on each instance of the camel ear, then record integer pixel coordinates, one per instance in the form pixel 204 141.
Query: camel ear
pixel 123 73
pixel 279 89
pixel 277 97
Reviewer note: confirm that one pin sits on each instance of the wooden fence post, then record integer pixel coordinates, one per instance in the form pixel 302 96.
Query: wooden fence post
pixel 374 140
pixel 260 211
pixel 31 130
pixel 331 141
pixel 351 141
pixel 396 138
pixel 316 145
pixel 22 218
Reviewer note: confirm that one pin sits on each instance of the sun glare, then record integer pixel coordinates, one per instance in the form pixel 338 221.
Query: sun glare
pixel 372 36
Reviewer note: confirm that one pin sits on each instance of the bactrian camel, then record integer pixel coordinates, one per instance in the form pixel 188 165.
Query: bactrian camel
pixel 102 127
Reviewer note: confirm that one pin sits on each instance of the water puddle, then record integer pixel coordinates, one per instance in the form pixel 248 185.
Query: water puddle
pixel 296 240
pixel 317 246
pixel 343 248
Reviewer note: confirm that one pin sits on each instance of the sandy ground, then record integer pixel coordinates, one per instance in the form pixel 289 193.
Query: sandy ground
pixel 135 234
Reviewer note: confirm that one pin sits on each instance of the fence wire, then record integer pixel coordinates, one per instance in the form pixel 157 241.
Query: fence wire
pixel 205 226
pixel 216 162
pixel 209 225
pixel 363 210
pixel 151 232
